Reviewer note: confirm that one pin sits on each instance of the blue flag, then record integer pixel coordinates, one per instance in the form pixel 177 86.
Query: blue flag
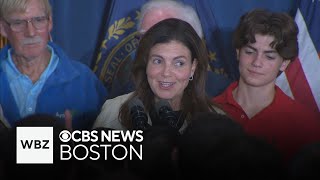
pixel 219 64
pixel 310 9
pixel 114 60
pixel 301 78
pixel 76 27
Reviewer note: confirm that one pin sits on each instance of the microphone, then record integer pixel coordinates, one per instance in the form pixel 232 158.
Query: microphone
pixel 166 114
pixel 138 116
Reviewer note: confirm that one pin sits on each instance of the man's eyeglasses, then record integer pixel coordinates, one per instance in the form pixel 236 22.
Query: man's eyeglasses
pixel 20 25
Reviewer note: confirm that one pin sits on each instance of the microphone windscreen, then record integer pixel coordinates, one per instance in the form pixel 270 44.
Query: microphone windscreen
pixel 135 102
pixel 162 103
pixel 138 116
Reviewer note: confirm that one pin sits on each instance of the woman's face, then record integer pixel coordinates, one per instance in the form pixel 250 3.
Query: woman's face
pixel 169 69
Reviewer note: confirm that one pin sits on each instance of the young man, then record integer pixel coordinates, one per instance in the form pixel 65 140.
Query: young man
pixel 266 42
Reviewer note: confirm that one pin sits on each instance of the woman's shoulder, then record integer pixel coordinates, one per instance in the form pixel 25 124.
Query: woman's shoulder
pixel 108 116
pixel 121 99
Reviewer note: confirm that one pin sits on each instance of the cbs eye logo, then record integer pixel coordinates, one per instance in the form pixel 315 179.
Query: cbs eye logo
pixel 65 136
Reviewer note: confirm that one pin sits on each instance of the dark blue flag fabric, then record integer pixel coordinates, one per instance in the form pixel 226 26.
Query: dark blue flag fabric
pixel 76 26
pixel 310 10
pixel 301 78
pixel 117 49
pixel 221 71
pixel 218 63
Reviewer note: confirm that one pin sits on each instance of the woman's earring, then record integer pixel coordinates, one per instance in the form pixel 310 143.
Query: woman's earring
pixel 191 78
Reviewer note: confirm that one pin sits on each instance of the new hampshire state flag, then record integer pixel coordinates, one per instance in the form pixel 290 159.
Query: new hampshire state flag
pixel 117 49
pixel 301 80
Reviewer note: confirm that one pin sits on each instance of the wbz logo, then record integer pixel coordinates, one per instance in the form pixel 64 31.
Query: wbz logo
pixel 34 145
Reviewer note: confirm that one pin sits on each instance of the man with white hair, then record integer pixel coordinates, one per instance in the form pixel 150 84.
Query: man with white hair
pixel 156 10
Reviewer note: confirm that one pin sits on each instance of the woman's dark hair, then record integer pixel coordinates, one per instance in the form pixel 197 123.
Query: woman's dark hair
pixel 194 98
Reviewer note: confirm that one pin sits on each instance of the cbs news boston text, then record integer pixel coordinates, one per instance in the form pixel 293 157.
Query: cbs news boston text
pixel 35 145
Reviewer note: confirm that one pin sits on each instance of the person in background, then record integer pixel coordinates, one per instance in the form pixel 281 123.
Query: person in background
pixel 266 42
pixel 215 146
pixel 170 64
pixel 306 163
pixel 159 154
pixel 36 76
pixel 154 11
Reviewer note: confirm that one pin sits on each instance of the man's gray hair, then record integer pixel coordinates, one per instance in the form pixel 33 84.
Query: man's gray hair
pixel 9 6
pixel 181 11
